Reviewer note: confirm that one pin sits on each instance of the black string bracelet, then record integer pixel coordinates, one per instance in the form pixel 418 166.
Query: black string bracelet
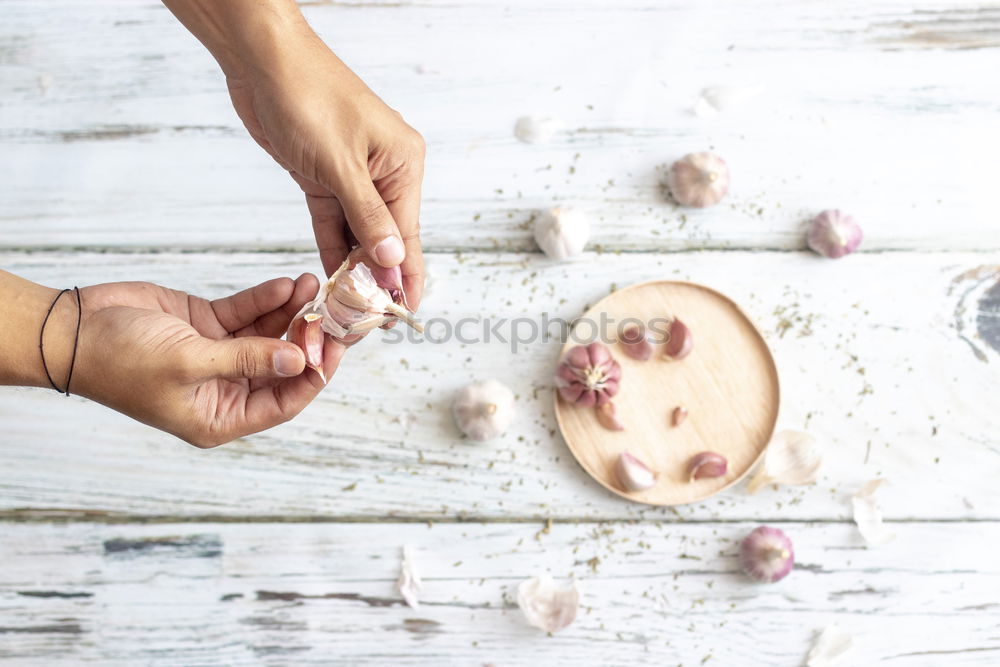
pixel 41 340
pixel 76 339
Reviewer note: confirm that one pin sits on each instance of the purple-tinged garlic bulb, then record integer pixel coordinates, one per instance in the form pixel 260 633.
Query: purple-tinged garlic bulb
pixel 766 554
pixel 834 234
pixel 633 474
pixel 588 375
pixel 698 180
pixel 679 340
pixel 357 298
pixel 706 464
pixel 636 343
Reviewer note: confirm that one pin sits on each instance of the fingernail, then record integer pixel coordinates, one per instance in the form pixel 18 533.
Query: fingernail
pixel 389 251
pixel 286 362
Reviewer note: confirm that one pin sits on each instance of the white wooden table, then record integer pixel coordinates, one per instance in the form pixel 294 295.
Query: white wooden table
pixel 120 158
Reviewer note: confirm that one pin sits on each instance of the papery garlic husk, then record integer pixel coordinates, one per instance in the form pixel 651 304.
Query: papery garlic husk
pixel 536 129
pixel 868 514
pixel 706 464
pixel 831 647
pixel 483 410
pixel 766 554
pixel 607 418
pixel 356 299
pixel 562 232
pixel 545 605
pixel 588 375
pixel 633 474
pixel 792 458
pixel 714 100
pixel 834 234
pixel 698 180
pixel 635 342
pixel 409 583
pixel 680 342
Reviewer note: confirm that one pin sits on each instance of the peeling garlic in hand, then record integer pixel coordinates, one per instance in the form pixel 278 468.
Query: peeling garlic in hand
pixel 483 410
pixel 792 457
pixel 766 554
pixel 633 474
pixel 562 232
pixel 698 180
pixel 356 299
pixel 588 375
pixel 545 605
pixel 834 234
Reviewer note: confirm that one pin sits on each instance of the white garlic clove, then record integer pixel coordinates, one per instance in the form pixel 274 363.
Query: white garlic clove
pixel 792 458
pixel 834 234
pixel 562 232
pixel 409 583
pixel 536 129
pixel 868 514
pixel 766 554
pixel 698 180
pixel 483 410
pixel 606 417
pixel 633 474
pixel 831 647
pixel 545 605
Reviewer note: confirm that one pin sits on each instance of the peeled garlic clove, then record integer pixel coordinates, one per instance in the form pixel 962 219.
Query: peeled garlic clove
pixel 483 410
pixel 606 417
pixel 536 129
pixel 698 179
pixel 706 464
pixel 633 474
pixel 562 232
pixel 545 605
pixel 635 343
pixel 766 554
pixel 792 458
pixel 868 514
pixel 678 416
pixel 679 340
pixel 409 583
pixel 834 234
pixel 830 648
pixel 588 375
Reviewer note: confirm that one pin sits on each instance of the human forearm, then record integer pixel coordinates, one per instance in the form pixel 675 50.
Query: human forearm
pixel 20 357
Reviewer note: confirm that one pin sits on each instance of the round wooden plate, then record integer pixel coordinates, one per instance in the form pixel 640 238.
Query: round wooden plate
pixel 728 383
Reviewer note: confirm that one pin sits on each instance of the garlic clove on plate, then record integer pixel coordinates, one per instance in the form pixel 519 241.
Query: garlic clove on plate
pixel 409 583
pixel 834 234
pixel 766 554
pixel 698 180
pixel 678 416
pixel 588 375
pixel 868 514
pixel 606 417
pixel 792 458
pixel 679 340
pixel 562 232
pixel 547 606
pixel 706 464
pixel 633 474
pixel 483 410
pixel 635 342
pixel 831 647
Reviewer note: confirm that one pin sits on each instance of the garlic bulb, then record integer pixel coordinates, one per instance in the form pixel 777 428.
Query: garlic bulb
pixel 636 343
pixel 588 375
pixel 545 605
pixel 536 129
pixel 483 410
pixel 356 299
pixel 633 474
pixel 868 514
pixel 698 179
pixel 792 457
pixel 562 232
pixel 834 234
pixel 707 464
pixel 766 554
pixel 409 583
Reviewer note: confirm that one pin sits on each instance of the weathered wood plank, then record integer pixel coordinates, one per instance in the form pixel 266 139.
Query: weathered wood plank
pixel 115 129
pixel 324 594
pixel 879 356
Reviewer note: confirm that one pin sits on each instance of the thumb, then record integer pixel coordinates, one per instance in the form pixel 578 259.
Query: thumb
pixel 253 357
pixel 370 220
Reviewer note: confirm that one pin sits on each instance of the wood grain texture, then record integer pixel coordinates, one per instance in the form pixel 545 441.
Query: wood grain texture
pixel 653 593
pixel 116 130
pixel 728 384
pixel 868 350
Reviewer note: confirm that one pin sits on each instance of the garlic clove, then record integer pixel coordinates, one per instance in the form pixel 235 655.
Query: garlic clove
pixel 698 180
pixel 831 647
pixel 633 474
pixel 547 606
pixel 679 340
pixel 636 343
pixel 562 232
pixel 868 514
pixel 307 333
pixel 834 234
pixel 483 410
pixel 706 464
pixel 536 129
pixel 792 458
pixel 409 583
pixel 607 418
pixel 678 416
pixel 766 554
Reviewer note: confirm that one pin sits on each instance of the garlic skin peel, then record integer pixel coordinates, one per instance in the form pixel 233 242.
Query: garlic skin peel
pixel 766 554
pixel 698 180
pixel 409 583
pixel 545 605
pixel 868 514
pixel 562 232
pixel 536 129
pixel 834 234
pixel 714 100
pixel 831 647
pixel 792 458
pixel 483 410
